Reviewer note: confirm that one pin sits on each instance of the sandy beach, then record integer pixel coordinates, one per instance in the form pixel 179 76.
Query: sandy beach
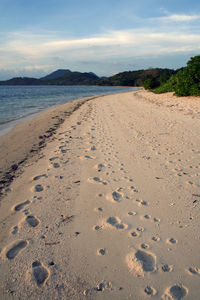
pixel 100 200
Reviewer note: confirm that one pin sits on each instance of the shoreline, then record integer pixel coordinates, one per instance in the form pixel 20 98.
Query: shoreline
pixel 8 125
pixel 42 127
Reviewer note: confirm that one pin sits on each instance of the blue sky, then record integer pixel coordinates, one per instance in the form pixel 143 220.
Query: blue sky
pixel 105 37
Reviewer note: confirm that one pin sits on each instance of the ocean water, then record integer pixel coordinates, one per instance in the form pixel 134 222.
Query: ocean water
pixel 17 103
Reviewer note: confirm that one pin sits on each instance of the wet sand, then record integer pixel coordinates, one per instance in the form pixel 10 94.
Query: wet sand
pixel 107 206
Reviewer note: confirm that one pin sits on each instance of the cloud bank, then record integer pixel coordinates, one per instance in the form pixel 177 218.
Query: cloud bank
pixel 45 51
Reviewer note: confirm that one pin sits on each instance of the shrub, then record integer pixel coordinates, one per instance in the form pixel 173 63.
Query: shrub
pixel 185 82
pixel 188 79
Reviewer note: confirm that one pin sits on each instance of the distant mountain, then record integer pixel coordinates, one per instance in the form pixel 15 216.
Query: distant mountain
pixel 21 81
pixel 66 77
pixel 75 78
pixel 56 74
pixel 59 77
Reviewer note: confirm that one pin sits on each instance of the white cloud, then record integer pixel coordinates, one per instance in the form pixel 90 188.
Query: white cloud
pixel 178 18
pixel 32 52
pixel 113 41
pixel 36 67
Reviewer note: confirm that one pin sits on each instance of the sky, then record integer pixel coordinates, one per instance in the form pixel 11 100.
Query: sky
pixel 105 37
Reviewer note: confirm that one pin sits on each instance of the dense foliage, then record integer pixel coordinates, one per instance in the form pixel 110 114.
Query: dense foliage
pixel 150 78
pixel 129 78
pixel 186 82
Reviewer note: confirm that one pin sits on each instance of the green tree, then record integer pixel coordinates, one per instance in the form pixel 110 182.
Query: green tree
pixel 150 83
pixel 188 79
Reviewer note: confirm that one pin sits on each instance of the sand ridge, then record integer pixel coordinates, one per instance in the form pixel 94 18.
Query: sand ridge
pixel 110 210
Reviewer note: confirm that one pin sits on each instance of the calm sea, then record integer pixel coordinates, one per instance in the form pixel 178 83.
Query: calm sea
pixel 18 103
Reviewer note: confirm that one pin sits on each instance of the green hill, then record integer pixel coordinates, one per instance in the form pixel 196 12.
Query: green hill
pixel 74 78
pixel 138 78
pixel 21 81
pixel 56 74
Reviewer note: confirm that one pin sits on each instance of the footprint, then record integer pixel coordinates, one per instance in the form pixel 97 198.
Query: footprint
pixel 97 180
pixel 135 234
pixel 140 229
pixel 32 221
pixel 63 151
pixel 87 157
pixel 14 230
pixel 116 222
pixel 53 158
pixel 132 213
pixel 147 260
pixel 167 268
pixel 139 262
pixel 101 251
pixel 147 217
pixel 100 287
pixel 156 238
pixel 98 209
pixel 142 202
pixel 194 271
pixel 133 189
pixel 114 197
pixel 97 227
pixel 56 165
pixel 40 273
pixel 93 148
pixel 26 211
pixel 144 246
pixel 150 291
pixel 62 147
pixel 171 241
pixel 38 188
pixel 19 206
pixel 175 292
pixel 16 248
pixel 39 177
pixel 156 220
pixel 100 167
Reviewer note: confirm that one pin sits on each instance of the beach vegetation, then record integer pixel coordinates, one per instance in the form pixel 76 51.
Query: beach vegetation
pixel 186 82
pixel 150 78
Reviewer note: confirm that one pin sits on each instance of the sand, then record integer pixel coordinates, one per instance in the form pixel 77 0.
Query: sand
pixel 107 206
